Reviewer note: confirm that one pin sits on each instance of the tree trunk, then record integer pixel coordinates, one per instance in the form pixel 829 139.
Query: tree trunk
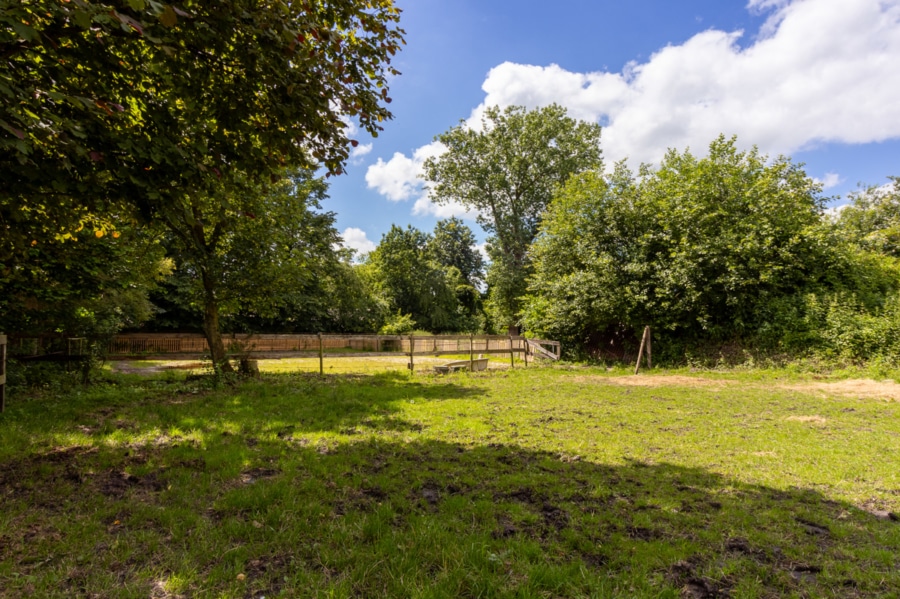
pixel 211 327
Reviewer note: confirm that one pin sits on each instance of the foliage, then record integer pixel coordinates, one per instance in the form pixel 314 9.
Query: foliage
pixel 435 297
pixel 872 220
pixel 507 172
pixel 91 284
pixel 453 244
pixel 145 101
pixel 697 249
pixel 398 324
pixel 252 253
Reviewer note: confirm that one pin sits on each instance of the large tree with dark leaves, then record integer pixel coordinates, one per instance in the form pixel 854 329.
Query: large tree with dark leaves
pixel 151 105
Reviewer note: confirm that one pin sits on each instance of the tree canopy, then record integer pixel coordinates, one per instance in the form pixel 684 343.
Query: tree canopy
pixel 174 110
pixel 453 244
pixel 700 248
pixel 139 99
pixel 872 219
pixel 507 172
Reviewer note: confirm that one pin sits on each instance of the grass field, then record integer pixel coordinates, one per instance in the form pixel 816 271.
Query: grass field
pixel 550 482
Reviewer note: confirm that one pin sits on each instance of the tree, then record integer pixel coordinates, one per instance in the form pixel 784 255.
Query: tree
pixel 699 249
pixel 412 283
pixel 872 220
pixel 92 284
pixel 139 99
pixel 157 107
pixel 507 172
pixel 453 244
pixel 251 254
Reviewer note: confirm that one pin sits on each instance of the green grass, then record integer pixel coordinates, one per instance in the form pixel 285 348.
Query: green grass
pixel 551 482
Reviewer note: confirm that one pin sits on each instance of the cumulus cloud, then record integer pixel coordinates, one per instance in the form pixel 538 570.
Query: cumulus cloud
pixel 424 206
pixel 829 180
pixel 360 150
pixel 818 71
pixel 357 153
pixel 357 239
pixel 835 211
pixel 398 178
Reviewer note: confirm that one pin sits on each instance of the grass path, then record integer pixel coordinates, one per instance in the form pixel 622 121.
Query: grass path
pixel 548 482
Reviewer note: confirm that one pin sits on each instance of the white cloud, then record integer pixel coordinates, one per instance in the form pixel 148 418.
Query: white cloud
pixel 834 211
pixel 817 71
pixel 820 71
pixel 829 180
pixel 424 206
pixel 357 239
pixel 351 127
pixel 360 150
pixel 398 178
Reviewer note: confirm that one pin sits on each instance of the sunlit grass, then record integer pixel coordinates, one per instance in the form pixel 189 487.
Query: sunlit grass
pixel 538 482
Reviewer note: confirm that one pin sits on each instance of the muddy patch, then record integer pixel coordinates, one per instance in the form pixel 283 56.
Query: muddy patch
pixel 248 477
pixel 115 483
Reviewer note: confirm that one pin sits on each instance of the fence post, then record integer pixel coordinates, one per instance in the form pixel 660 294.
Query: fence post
pixel 321 360
pixel 512 363
pixel 645 338
pixel 471 353
pixel 525 351
pixel 412 345
pixel 2 373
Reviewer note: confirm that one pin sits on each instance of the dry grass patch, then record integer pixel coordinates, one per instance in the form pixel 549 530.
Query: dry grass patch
pixel 643 380
pixel 809 419
pixel 862 388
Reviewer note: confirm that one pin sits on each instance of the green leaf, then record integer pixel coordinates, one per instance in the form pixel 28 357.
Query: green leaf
pixel 82 18
pixel 168 17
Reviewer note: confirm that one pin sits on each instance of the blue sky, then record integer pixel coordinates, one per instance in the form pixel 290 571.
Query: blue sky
pixel 814 79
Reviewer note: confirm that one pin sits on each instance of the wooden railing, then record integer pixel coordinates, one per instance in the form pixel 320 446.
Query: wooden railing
pixel 148 344
pixel 246 347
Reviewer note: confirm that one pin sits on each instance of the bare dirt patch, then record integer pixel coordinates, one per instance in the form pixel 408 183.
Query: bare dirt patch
pixel 808 419
pixel 862 388
pixel 129 367
pixel 642 380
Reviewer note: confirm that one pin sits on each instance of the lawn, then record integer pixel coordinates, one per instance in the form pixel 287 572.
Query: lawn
pixel 538 482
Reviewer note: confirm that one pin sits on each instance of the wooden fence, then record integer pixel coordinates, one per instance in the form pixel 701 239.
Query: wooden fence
pixel 164 344
pixel 194 346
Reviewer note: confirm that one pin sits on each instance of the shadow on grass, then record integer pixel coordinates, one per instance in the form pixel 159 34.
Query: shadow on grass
pixel 299 486
pixel 427 518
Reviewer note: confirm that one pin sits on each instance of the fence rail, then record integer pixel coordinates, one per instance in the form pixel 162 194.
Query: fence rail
pixel 193 344
pixel 161 344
